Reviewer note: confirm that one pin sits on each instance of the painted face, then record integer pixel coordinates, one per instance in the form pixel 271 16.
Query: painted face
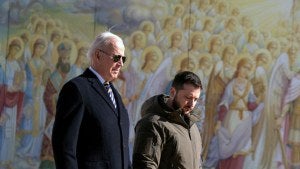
pixel 208 26
pixel 292 53
pixel 64 58
pixel 262 59
pixel 216 44
pixel 229 53
pixel 151 58
pixel 197 41
pixel 39 49
pixel 253 36
pixel 203 4
pixel 246 22
pixel 56 38
pixel 283 45
pixel 83 60
pixel 14 50
pixel 65 64
pixel 222 7
pixel 137 39
pixel 235 12
pixel 65 51
pixel 147 29
pixel 170 24
pixel 273 48
pixel 178 11
pixel 40 28
pixel 187 64
pixel 205 64
pixel 232 24
pixel 245 70
pixel 185 98
pixel 176 39
pixel 188 22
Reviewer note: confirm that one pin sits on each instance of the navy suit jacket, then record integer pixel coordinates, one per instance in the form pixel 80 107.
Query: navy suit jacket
pixel 89 132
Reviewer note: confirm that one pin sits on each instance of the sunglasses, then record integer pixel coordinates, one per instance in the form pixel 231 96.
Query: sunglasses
pixel 115 58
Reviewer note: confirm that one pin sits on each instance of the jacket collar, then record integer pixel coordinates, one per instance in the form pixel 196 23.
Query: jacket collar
pixel 158 105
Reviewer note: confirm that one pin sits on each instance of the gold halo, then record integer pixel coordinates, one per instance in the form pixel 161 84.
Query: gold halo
pixel 178 6
pixel 196 35
pixel 37 22
pixel 25 34
pixel 168 19
pixel 263 51
pixel 207 19
pixel 224 3
pixel 212 39
pixel 175 31
pixel 135 33
pixel 82 44
pixel 20 44
pixel 226 47
pixel 73 54
pixel 157 50
pixel 146 22
pixel 192 20
pixel 55 31
pixel 244 60
pixel 273 40
pixel 177 60
pixel 230 20
pixel 33 18
pixel 33 41
pixel 205 57
pixel 50 22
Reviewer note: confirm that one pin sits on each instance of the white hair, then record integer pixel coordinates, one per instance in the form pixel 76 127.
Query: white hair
pixel 103 40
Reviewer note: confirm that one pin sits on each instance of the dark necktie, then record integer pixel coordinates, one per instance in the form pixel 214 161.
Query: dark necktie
pixel 110 93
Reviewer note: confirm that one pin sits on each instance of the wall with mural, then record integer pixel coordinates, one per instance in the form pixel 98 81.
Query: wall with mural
pixel 246 52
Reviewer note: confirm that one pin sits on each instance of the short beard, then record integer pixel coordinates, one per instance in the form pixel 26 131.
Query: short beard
pixel 176 106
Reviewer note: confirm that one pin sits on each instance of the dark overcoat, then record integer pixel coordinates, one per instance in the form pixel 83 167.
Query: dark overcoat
pixel 89 132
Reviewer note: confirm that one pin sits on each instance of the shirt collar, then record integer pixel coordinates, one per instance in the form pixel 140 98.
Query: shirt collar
pixel 98 75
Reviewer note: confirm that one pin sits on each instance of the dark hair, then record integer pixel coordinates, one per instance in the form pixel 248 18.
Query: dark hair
pixel 186 77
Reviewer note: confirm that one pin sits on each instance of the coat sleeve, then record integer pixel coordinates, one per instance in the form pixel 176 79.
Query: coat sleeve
pixel 147 146
pixel 69 113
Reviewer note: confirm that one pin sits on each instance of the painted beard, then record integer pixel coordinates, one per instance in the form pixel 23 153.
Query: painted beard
pixel 65 67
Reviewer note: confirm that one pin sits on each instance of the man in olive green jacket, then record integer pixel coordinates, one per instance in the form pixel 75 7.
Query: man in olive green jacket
pixel 167 137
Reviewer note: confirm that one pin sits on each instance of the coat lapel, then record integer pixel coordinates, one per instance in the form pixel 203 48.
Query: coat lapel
pixel 99 88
